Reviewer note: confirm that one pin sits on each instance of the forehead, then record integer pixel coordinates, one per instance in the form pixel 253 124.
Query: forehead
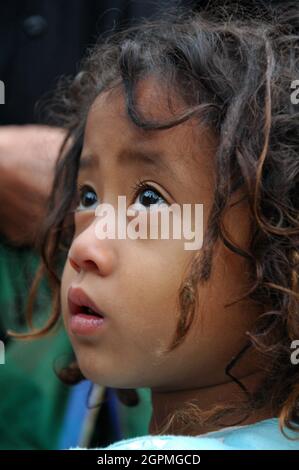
pixel 108 113
pixel 183 154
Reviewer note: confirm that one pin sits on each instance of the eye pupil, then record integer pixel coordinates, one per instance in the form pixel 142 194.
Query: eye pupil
pixel 149 197
pixel 87 197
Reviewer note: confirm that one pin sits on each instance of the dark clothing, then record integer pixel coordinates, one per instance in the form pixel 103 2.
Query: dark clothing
pixel 41 40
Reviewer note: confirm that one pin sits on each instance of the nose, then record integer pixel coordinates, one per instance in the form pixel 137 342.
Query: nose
pixel 88 253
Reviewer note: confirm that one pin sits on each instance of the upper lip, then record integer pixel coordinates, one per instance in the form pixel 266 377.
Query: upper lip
pixel 78 298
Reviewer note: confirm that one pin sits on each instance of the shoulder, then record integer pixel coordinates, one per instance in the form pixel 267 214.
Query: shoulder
pixel 264 435
pixel 167 442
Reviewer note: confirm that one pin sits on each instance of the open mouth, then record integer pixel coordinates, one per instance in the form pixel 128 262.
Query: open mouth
pixel 81 304
pixel 86 318
pixel 87 311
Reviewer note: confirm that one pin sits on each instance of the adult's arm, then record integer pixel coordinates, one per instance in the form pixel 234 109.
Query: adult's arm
pixel 27 158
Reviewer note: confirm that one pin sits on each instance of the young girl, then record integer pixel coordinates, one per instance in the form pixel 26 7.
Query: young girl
pixel 194 108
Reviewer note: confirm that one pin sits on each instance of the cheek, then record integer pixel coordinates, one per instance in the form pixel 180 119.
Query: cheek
pixel 151 278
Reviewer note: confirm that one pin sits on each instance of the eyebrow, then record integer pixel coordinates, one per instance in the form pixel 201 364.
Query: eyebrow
pixel 88 162
pixel 150 158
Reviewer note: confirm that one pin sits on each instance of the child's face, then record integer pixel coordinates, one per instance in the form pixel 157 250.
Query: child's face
pixel 136 282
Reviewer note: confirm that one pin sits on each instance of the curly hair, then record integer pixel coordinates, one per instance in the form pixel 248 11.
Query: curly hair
pixel 233 67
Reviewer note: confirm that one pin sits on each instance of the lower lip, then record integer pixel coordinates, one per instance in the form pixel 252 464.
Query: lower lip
pixel 85 325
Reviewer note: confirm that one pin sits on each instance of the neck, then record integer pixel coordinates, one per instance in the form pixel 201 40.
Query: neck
pixel 166 403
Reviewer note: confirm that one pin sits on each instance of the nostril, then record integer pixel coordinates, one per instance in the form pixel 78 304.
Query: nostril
pixel 90 265
pixel 74 264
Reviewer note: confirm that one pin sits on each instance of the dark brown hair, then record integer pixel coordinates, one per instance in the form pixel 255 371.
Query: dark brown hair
pixel 233 67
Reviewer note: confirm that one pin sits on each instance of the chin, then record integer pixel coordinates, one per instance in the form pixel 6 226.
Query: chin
pixel 103 370
pixel 109 380
pixel 97 375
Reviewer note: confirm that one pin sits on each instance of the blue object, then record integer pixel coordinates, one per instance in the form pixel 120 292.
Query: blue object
pixel 75 415
pixel 263 435
pixel 114 413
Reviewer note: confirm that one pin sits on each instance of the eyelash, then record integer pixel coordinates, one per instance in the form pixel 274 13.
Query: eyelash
pixel 136 188
pixel 142 186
